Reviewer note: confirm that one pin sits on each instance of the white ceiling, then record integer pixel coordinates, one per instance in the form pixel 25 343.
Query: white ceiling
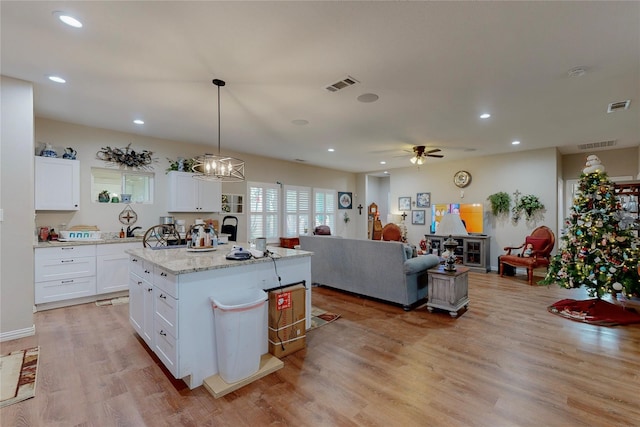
pixel 436 66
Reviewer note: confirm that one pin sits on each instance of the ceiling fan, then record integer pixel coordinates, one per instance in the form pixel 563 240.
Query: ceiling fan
pixel 420 154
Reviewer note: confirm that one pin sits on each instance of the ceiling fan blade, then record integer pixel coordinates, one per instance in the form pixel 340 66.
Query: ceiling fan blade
pixel 435 150
pixel 435 155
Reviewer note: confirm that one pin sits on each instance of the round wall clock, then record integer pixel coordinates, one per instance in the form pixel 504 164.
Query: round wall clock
pixel 462 178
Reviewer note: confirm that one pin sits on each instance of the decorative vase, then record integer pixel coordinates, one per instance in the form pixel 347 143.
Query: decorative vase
pixel 104 197
pixel 48 151
pixel 69 153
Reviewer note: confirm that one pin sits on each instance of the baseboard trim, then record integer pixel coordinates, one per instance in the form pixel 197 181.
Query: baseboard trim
pixel 20 333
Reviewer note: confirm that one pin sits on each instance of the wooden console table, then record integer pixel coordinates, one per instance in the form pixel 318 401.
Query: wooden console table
pixel 448 290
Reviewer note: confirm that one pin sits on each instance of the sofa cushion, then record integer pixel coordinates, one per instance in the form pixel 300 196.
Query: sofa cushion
pixel 420 263
pixel 408 251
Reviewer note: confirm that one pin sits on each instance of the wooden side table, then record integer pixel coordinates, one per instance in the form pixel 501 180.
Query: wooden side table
pixel 448 290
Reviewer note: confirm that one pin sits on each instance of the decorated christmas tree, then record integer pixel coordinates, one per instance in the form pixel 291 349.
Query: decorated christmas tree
pixel 598 248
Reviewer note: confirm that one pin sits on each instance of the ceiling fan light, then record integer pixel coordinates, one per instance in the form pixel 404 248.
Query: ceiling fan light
pixel 414 159
pixel 420 161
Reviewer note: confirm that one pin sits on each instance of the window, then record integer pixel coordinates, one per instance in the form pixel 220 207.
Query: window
pixel 118 182
pixel 264 211
pixel 297 201
pixel 324 208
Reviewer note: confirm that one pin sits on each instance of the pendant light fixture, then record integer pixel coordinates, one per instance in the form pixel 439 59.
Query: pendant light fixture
pixel 216 167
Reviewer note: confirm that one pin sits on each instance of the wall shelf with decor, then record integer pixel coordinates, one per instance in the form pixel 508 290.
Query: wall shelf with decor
pixel 233 203
pixel 472 250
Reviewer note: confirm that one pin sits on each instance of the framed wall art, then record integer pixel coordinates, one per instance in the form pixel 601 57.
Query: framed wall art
pixel 404 203
pixel 423 200
pixel 344 200
pixel 417 217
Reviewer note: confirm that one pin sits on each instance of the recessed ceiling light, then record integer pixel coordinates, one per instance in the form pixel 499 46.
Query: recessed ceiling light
pixel 515 142
pixel 383 162
pixel 57 79
pixel 331 150
pixel 368 97
pixel 138 122
pixel 300 122
pixel 67 19
pixel 485 115
pixel 386 172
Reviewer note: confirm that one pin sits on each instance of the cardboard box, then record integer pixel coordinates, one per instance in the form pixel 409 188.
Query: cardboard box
pixel 287 320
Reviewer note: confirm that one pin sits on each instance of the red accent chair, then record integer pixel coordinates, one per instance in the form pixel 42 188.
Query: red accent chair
pixel 322 230
pixel 542 241
pixel 391 232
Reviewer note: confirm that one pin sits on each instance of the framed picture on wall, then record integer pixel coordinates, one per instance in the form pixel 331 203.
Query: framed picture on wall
pixel 417 217
pixel 344 200
pixel 404 203
pixel 423 200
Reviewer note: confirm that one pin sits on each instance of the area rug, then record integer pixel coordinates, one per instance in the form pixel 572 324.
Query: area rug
pixel 320 317
pixel 18 371
pixel 112 301
pixel 594 311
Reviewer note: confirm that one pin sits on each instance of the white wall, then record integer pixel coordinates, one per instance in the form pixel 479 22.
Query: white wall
pixel 533 172
pixel 88 141
pixel 16 202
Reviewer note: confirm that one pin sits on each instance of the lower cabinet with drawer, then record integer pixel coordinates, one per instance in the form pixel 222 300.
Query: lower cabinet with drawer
pixel 63 273
pixel 80 273
pixel 153 310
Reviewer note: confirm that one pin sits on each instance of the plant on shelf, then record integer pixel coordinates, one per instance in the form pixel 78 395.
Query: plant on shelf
pixel 528 204
pixel 500 203
pixel 104 196
pixel 182 164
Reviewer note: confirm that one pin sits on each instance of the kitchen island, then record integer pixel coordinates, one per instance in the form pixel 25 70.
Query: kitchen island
pixel 170 307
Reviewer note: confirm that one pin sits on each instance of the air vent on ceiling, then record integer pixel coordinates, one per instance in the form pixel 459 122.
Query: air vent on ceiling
pixel 616 106
pixel 601 144
pixel 299 160
pixel 346 82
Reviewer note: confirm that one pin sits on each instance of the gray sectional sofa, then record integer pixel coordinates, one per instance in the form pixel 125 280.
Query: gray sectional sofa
pixel 373 268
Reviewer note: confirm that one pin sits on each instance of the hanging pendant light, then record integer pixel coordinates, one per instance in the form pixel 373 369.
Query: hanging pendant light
pixel 216 167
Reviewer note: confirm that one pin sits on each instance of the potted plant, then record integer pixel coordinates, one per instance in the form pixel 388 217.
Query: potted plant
pixel 346 218
pixel 182 165
pixel 530 204
pixel 104 197
pixel 500 203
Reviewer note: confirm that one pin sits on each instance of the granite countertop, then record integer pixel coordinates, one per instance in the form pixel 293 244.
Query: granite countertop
pixel 181 261
pixel 57 243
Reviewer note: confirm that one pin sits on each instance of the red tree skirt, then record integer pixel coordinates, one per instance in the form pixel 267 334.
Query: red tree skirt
pixel 594 311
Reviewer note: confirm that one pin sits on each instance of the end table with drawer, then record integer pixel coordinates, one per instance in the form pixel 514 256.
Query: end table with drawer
pixel 448 290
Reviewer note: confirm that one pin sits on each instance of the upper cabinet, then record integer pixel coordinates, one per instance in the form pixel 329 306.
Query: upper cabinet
pixel 57 184
pixel 187 194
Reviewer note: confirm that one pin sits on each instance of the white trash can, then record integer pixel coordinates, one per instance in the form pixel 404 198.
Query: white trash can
pixel 238 317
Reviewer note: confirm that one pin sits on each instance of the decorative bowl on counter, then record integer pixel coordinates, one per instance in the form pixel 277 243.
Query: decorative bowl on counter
pixel 79 235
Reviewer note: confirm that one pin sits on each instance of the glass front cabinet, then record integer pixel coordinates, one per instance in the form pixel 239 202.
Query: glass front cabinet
pixel 472 251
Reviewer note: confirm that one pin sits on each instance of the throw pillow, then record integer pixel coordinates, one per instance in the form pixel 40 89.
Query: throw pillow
pixel 537 242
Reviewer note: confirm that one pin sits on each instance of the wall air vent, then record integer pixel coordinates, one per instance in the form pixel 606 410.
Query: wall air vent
pixel 601 144
pixel 617 106
pixel 346 82
pixel 299 160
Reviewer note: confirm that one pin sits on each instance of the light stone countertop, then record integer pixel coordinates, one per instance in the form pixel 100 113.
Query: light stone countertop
pixel 181 261
pixel 57 243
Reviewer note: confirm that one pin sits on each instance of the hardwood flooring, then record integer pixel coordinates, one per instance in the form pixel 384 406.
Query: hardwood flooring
pixel 504 362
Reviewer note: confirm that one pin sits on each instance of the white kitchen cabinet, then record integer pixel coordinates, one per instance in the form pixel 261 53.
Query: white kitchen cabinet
pixel 63 273
pixel 112 267
pixel 141 299
pixel 57 184
pixel 187 194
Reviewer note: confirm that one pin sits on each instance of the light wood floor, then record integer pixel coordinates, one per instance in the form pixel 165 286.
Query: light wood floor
pixel 505 362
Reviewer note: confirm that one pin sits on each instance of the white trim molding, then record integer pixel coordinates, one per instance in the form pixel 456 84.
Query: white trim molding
pixel 20 333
